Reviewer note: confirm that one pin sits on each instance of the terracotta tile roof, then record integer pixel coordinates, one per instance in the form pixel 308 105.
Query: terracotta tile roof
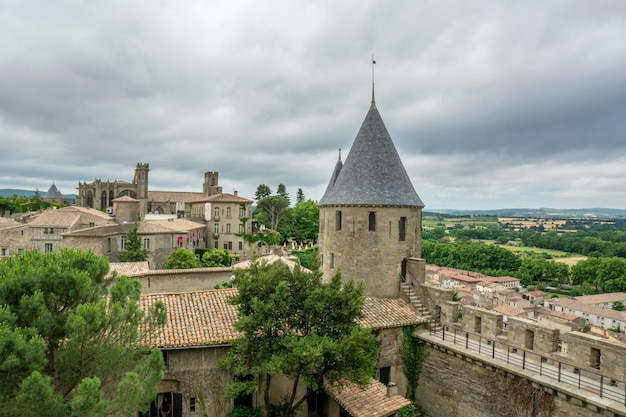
pixel 205 318
pixel 66 216
pixel 199 318
pixel 168 226
pixel 102 230
pixel 371 401
pixel 174 196
pixel 386 313
pixel 130 269
pixel 56 218
pixel 223 198
pixel 509 310
pixel 601 298
pixel 9 223
pixel 575 305
pixel 558 314
pixel 125 198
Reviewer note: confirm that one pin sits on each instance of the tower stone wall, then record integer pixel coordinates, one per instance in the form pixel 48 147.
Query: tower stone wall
pixel 371 257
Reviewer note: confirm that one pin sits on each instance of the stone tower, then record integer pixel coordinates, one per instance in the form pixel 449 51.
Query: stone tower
pixel 141 181
pixel 370 214
pixel 211 185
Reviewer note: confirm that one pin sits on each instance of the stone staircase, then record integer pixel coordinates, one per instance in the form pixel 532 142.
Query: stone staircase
pixel 415 301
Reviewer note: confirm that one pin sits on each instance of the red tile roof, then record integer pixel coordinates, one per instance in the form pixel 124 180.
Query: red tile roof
pixel 370 401
pixel 205 318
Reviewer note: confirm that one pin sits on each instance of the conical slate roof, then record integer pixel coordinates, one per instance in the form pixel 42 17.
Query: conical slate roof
pixel 53 192
pixel 373 173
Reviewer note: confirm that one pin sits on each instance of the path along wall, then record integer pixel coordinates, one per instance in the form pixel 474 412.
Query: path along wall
pixel 460 383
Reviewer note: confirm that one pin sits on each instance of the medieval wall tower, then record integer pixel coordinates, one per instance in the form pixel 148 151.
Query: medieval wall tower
pixel 370 214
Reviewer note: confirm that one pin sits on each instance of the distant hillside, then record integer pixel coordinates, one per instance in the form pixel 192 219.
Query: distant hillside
pixel 600 213
pixel 8 192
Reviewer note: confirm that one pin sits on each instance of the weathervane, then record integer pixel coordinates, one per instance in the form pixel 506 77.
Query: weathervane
pixel 373 62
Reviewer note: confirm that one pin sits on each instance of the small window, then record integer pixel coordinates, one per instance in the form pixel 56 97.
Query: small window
pixel 20 251
pixel 180 241
pixel 216 212
pixel 146 244
pixel 227 211
pixel 240 245
pixel 402 229
pixel 228 228
pixel 332 261
pixel 48 247
pixel 123 242
pixel 372 221
pixel 241 228
pixel 216 228
pixel 4 251
pixel 217 244
pixel 192 404
pixel 109 244
pixel 338 220
pixel 91 224
pixel 166 358
pixel 230 245
pixel 242 212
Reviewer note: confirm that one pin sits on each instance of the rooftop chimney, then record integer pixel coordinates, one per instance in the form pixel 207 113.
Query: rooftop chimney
pixel 236 193
pixel 392 389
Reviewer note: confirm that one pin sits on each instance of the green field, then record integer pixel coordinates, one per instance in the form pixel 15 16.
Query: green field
pixel 525 249
pixel 465 221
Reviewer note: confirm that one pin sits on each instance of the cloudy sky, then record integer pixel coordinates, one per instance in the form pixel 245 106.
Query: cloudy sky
pixel 490 104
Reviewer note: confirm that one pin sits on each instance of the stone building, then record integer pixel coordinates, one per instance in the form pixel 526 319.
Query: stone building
pixel 227 216
pixel 44 231
pixel 193 344
pixel 370 214
pixel 101 194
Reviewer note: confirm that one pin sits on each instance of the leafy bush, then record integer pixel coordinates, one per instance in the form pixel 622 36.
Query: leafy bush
pixel 244 411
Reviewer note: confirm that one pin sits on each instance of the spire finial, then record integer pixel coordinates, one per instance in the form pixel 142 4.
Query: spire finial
pixel 373 62
pixel 340 154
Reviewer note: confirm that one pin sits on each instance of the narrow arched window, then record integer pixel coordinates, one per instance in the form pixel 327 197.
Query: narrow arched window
pixel 372 221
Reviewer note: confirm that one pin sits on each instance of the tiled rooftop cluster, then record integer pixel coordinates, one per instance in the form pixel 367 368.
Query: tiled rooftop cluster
pixel 371 401
pixel 204 318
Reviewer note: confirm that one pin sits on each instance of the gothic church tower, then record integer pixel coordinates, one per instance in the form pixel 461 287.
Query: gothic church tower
pixel 370 214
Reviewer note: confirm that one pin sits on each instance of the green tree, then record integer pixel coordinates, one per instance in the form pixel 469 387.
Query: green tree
pixel 307 221
pixel 215 258
pixel 134 252
pixel 618 306
pixel 295 325
pixel 69 338
pixel 272 210
pixel 300 196
pixel 262 191
pixel 182 258
pixel 282 191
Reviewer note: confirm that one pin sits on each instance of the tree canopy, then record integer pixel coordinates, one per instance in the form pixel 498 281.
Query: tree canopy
pixel 134 251
pixel 272 210
pixel 69 338
pixel 182 258
pixel 306 216
pixel 262 191
pixel 295 325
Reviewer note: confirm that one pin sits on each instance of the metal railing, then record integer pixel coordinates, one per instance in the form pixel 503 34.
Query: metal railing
pixel 583 379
